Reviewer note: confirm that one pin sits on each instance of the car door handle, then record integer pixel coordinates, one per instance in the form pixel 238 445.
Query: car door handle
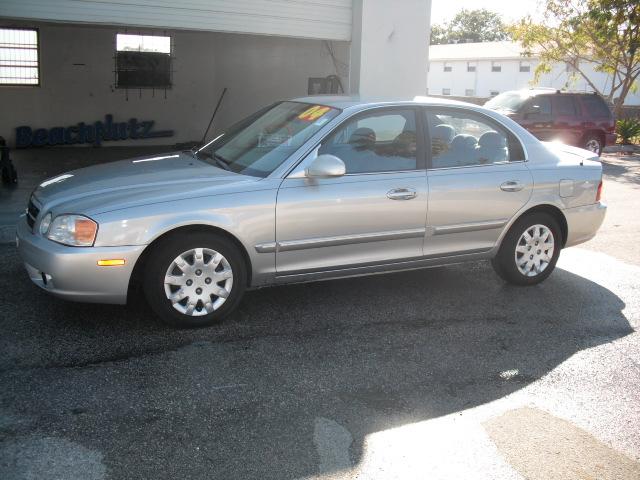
pixel 401 194
pixel 511 186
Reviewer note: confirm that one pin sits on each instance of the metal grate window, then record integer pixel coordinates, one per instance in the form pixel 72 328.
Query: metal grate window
pixel 143 61
pixel 19 59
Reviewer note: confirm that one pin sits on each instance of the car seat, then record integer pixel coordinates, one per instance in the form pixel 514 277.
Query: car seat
pixel 492 148
pixel 462 151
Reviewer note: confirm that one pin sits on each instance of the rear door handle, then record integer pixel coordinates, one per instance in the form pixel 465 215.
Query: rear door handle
pixel 511 186
pixel 401 194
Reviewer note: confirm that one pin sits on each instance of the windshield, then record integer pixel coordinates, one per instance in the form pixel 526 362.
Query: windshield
pixel 510 101
pixel 257 145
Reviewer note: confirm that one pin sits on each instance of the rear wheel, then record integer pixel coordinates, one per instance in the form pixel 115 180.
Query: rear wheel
pixel 194 280
pixel 593 143
pixel 530 250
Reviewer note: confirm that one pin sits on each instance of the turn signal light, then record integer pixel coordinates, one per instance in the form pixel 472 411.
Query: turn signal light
pixel 112 262
pixel 599 192
pixel 85 230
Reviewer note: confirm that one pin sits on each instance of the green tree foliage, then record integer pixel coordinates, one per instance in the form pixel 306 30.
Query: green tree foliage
pixel 479 25
pixel 605 33
pixel 627 129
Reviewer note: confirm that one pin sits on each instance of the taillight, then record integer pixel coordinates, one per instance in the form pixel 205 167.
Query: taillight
pixel 599 192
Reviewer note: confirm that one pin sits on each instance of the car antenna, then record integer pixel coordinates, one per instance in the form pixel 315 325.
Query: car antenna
pixel 215 111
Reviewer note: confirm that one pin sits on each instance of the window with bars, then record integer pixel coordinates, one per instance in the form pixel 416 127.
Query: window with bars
pixel 143 61
pixel 19 58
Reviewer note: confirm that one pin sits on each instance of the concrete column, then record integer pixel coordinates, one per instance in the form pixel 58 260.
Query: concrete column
pixel 390 48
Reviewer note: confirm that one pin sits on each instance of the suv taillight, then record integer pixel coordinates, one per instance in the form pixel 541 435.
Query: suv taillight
pixel 599 192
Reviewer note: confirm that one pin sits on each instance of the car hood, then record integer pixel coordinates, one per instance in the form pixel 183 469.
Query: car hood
pixel 134 182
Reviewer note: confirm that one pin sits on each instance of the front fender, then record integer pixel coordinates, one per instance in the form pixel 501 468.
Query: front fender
pixel 247 216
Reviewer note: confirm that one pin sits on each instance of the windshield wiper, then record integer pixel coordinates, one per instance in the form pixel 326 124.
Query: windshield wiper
pixel 221 161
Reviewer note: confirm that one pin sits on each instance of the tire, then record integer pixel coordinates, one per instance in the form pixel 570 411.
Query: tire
pixel 221 269
pixel 505 263
pixel 593 142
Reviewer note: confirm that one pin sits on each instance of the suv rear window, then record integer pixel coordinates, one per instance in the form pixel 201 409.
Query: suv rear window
pixel 595 106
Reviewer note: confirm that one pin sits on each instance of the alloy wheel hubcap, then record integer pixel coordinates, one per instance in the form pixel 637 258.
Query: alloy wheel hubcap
pixel 198 281
pixel 593 145
pixel 534 250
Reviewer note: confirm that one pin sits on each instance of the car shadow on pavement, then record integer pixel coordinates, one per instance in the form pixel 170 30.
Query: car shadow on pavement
pixel 296 371
pixel 622 169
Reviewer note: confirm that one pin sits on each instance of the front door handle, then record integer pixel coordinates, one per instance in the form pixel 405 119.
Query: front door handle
pixel 401 194
pixel 511 186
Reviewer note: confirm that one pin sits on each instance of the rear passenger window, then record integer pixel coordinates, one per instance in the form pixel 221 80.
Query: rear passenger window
pixel 462 139
pixel 595 106
pixel 382 141
pixel 564 105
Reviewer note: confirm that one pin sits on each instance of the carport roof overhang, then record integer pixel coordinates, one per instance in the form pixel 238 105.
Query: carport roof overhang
pixel 317 19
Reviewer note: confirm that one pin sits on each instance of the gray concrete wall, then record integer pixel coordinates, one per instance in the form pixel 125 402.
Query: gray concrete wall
pixel 77 80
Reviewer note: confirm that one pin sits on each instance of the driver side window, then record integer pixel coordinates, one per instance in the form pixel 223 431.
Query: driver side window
pixel 381 141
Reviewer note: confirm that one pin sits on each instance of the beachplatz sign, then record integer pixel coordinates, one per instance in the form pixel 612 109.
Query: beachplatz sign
pixel 93 133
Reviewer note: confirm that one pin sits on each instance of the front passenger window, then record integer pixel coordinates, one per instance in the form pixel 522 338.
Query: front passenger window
pixel 382 141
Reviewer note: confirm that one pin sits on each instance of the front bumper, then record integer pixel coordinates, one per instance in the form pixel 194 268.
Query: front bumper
pixel 583 222
pixel 73 273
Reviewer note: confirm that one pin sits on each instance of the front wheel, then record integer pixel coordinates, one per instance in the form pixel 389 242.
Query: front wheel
pixel 194 280
pixel 529 251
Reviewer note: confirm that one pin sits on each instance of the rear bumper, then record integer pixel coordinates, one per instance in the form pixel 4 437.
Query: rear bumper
pixel 583 222
pixel 73 273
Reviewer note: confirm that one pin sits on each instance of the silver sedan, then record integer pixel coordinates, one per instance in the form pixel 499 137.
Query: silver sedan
pixel 309 189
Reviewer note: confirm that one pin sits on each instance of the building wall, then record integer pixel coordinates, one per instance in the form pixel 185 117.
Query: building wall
pixel 483 82
pixel 390 48
pixel 324 19
pixel 77 80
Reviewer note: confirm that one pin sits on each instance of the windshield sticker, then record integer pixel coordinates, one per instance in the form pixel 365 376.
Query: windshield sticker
pixel 314 113
pixel 274 140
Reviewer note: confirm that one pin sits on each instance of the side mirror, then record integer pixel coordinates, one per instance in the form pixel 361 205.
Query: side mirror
pixel 326 166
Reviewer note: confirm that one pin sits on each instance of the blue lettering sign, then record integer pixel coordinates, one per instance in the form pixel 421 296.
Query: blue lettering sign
pixel 98 132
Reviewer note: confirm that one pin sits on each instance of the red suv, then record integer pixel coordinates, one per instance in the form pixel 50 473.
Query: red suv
pixel 580 119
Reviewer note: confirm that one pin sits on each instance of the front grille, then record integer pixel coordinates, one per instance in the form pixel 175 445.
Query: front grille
pixel 32 213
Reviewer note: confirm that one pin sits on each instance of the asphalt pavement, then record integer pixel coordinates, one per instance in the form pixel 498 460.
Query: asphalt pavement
pixel 445 373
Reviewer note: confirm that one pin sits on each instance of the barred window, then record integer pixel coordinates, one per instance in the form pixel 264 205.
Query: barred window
pixel 19 57
pixel 143 61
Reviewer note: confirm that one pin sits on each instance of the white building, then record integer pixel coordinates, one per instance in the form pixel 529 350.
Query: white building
pixel 486 69
pixel 69 63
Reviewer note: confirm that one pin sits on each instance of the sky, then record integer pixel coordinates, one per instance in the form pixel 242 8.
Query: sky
pixel 444 10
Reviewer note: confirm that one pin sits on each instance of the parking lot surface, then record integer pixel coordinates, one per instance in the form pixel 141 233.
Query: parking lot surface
pixel 444 373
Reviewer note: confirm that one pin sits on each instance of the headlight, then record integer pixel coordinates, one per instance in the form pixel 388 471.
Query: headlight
pixel 73 230
pixel 45 223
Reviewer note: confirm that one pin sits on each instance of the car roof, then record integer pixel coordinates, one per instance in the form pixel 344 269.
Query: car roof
pixel 348 101
pixel 550 91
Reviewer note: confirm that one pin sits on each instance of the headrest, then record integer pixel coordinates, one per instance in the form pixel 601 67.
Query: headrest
pixel 464 142
pixel 492 139
pixel 363 138
pixel 444 133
